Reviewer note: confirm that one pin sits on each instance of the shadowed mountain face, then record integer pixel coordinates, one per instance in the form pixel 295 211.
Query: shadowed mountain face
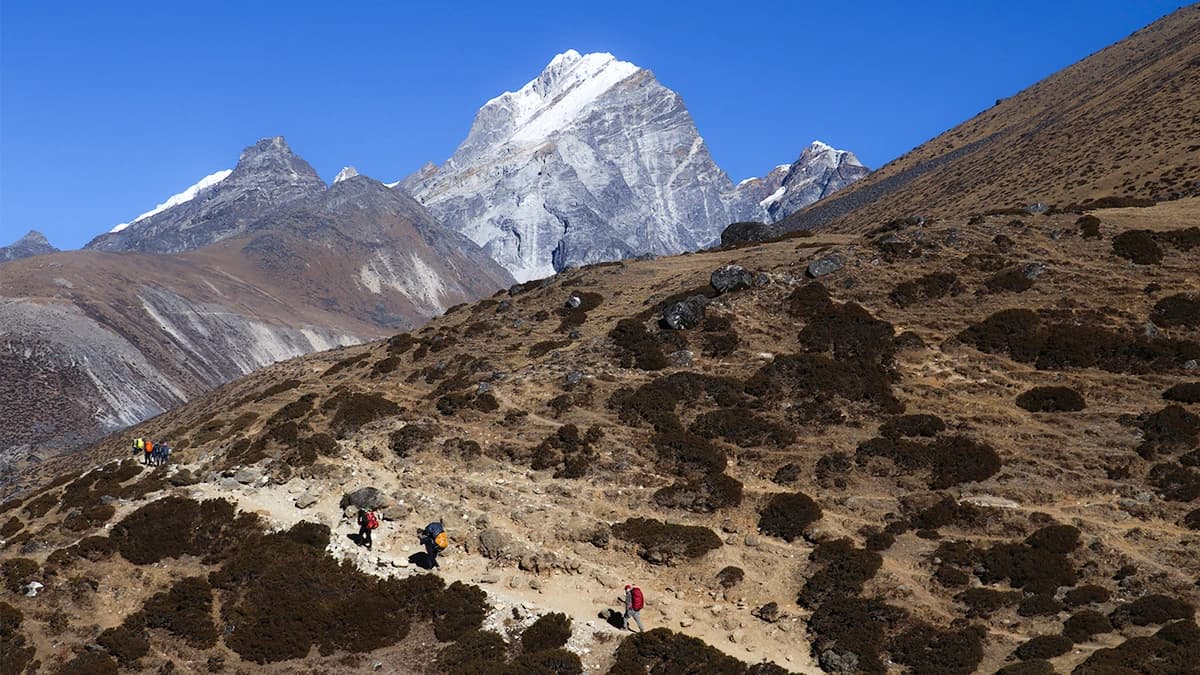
pixel 93 341
pixel 1119 123
pixel 268 175
pixel 33 243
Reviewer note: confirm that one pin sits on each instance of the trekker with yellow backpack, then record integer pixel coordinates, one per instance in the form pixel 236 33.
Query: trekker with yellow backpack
pixel 435 540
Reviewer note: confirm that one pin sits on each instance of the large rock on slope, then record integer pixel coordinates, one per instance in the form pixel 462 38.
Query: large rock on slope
pixel 223 205
pixel 33 243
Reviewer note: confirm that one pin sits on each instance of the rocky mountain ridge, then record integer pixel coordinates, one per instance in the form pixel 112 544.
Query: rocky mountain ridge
pixel 33 243
pixel 595 160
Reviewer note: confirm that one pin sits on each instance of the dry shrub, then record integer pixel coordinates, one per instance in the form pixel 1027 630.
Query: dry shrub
pixel 15 655
pixel 540 349
pixel 345 363
pixel 1082 625
pixel 573 317
pixel 685 453
pixel 11 527
pixel 1185 239
pixel 1045 647
pixel 410 437
pixel 1179 310
pixel 662 651
pixel 927 650
pixel 983 602
pixel 547 661
pixel 730 576
pixel 1184 392
pixel 706 494
pixel 292 411
pixel 1172 649
pixel 912 425
pixel 813 377
pixel 400 343
pixel 185 611
pixel 1089 226
pixel 1039 605
pixel 386 366
pixel 787 474
pixel 277 388
pixel 90 663
pixel 659 542
pixel 89 517
pixel 550 631
pixel 1037 570
pixel 945 511
pixel 1088 594
pixel 951 460
pixel 1192 520
pixel 922 289
pixel 848 332
pixel 354 410
pixel 741 427
pixel 1024 336
pixel 174 526
pixel 1012 280
pixel 1138 246
pixel 787 514
pixel 720 345
pixel 39 507
pixel 566 451
pixel 1175 482
pixel 636 346
pixel 1152 609
pixel 846 625
pixel 1051 399
pixel 474 652
pixel 17 572
pixel 842 571
pixel 460 609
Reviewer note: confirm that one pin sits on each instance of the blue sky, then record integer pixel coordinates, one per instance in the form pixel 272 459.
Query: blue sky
pixel 107 109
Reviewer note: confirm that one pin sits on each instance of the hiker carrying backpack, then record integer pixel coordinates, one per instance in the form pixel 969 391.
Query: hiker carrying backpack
pixel 634 602
pixel 149 451
pixel 139 445
pixel 436 540
pixel 367 521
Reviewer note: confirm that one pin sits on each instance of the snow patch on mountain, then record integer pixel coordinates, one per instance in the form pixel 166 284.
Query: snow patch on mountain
pixel 346 172
pixel 177 199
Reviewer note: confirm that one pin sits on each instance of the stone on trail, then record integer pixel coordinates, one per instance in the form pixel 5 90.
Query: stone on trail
pixel 494 543
pixel 246 476
pixel 823 266
pixel 731 278
pixel 685 314
pixel 306 500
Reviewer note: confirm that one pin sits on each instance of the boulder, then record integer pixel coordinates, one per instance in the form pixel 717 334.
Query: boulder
pixel 682 358
pixel 844 663
pixel 685 314
pixel 823 266
pixel 494 543
pixel 362 498
pixel 246 476
pixel 731 278
pixel 1034 270
pixel 574 301
pixel 768 612
pixel 306 500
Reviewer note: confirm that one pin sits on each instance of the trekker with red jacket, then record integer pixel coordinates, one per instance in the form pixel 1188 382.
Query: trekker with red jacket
pixel 634 601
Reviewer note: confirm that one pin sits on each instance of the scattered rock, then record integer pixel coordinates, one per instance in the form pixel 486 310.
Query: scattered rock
pixel 1034 270
pixel 753 540
pixel 843 663
pixel 306 500
pixel 731 278
pixel 395 512
pixel 823 266
pixel 489 579
pixel 362 498
pixel 228 484
pixel 574 301
pixel 762 279
pixel 768 612
pixel 682 358
pixel 246 476
pixel 30 590
pixel 572 378
pixel 494 543
pixel 685 314
pixel 483 388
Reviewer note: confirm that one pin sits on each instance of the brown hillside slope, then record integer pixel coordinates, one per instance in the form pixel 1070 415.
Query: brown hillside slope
pixel 1122 122
pixel 964 438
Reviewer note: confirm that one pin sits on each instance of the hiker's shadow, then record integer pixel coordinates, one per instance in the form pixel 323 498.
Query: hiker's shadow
pixel 357 538
pixel 420 559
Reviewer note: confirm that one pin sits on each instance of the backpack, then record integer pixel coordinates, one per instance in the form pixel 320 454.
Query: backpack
pixel 636 600
pixel 372 520
pixel 437 534
pixel 149 447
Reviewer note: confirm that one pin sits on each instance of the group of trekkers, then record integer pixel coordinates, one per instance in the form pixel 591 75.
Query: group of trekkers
pixel 435 540
pixel 153 454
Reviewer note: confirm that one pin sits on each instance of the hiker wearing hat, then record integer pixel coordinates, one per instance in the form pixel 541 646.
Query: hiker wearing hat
pixel 634 601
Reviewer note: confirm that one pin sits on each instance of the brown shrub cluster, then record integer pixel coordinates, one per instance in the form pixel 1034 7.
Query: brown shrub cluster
pixel 573 317
pixel 353 410
pixel 950 460
pixel 1168 431
pixel 550 631
pixel 349 362
pixel 730 576
pixel 1051 399
pixel 908 426
pixel 567 451
pixel 473 652
pixel 928 650
pixel 983 602
pixel 410 437
pixel 540 349
pixel 1176 311
pixel 1044 647
pixel 741 427
pixel 15 654
pixel 932 286
pixel 1174 481
pixel 660 542
pixel 852 629
pixel 1082 625
pixel 184 610
pixel 1184 392
pixel 842 570
pixel 1172 649
pixel 17 572
pixel 636 346
pixel 1089 226
pixel 705 494
pixel 124 644
pixel 1138 246
pixel 1152 609
pixel 662 651
pixel 1026 337
pixel 174 526
pixel 1013 280
pixel 787 514
pixel 814 377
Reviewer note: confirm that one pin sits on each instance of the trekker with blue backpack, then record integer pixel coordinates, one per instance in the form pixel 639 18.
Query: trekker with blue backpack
pixel 435 540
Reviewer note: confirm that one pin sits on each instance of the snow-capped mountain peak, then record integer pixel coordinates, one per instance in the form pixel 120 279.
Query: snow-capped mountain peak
pixel 346 172
pixel 179 198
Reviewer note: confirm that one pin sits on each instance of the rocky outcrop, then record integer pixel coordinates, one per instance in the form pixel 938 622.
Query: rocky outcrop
pixel 33 243
pixel 268 175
